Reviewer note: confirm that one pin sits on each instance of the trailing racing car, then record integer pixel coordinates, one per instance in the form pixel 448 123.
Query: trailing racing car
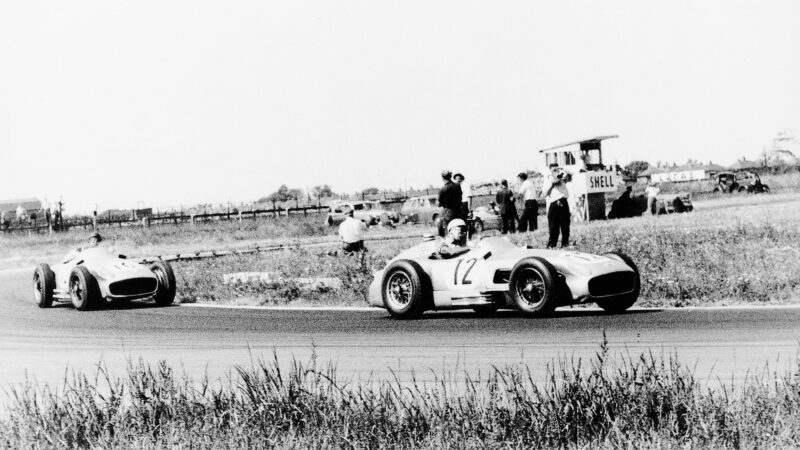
pixel 94 276
pixel 496 274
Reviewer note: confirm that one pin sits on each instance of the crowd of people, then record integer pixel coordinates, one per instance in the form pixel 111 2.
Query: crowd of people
pixel 52 213
pixel 454 201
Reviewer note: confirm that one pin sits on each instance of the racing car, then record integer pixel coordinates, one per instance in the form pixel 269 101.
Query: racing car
pixel 496 274
pixel 97 275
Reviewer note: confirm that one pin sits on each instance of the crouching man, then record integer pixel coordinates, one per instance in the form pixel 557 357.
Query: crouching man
pixel 352 232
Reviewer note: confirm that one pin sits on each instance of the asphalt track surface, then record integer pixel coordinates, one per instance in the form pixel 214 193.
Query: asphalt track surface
pixel 45 344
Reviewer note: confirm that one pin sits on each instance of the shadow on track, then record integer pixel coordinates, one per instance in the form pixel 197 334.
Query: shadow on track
pixel 514 314
pixel 114 306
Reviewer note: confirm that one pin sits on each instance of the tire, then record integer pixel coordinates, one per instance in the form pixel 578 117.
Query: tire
pixel 742 189
pixel 621 303
pixel 165 293
pixel 765 189
pixel 716 190
pixel 330 221
pixel 734 187
pixel 435 220
pixel 83 289
pixel 477 226
pixel 44 283
pixel 677 205
pixel 534 288
pixel 406 289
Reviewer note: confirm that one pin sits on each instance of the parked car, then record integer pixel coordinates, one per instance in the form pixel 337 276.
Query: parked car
pixel 751 182
pixel 423 209
pixel 484 218
pixel 370 212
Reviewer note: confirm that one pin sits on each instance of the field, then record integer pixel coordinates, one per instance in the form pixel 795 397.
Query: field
pixel 610 401
pixel 731 249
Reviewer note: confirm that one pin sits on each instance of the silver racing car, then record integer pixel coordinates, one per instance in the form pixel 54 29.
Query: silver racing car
pixel 496 274
pixel 95 276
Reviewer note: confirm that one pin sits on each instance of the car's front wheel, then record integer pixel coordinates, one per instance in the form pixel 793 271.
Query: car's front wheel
pixel 534 287
pixel 165 293
pixel 621 303
pixel 44 283
pixel 83 289
pixel 405 289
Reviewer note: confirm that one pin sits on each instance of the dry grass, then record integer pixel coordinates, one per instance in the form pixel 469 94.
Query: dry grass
pixel 605 402
pixel 742 250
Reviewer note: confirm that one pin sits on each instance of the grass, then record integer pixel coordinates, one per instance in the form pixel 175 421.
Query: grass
pixel 741 250
pixel 606 402
pixel 731 249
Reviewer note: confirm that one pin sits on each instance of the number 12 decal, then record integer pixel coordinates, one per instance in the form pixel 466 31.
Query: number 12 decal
pixel 469 264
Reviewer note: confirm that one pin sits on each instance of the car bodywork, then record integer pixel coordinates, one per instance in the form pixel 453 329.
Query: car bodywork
pixel 117 277
pixel 97 275
pixel 481 277
pixel 369 212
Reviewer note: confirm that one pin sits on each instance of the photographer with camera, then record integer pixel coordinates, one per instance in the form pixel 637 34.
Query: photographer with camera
pixel 558 215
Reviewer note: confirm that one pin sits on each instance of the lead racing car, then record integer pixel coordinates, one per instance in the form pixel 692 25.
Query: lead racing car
pixel 496 274
pixel 94 276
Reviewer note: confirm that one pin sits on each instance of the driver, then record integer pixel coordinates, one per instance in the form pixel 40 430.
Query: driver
pixel 94 240
pixel 455 241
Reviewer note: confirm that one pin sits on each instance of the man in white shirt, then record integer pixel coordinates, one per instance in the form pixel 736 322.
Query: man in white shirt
pixel 652 192
pixel 465 194
pixel 529 219
pixel 558 215
pixel 352 231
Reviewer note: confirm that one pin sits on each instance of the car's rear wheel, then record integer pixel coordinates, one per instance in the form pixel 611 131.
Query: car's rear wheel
pixel 533 287
pixel 621 303
pixel 83 289
pixel 405 289
pixel 44 283
pixel 165 293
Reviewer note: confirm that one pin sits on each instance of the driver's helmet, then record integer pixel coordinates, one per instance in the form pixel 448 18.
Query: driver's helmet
pixel 455 223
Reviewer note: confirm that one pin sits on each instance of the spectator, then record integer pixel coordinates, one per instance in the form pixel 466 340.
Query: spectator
pixel 352 231
pixel 47 216
pixel 652 192
pixel 20 213
pixel 465 195
pixel 449 200
pixel 529 219
pixel 558 215
pixel 508 208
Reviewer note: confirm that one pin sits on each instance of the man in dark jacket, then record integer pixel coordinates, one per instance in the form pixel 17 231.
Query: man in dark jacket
pixel 449 201
pixel 508 208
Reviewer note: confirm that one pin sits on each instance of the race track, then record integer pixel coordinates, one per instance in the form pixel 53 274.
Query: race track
pixel 45 342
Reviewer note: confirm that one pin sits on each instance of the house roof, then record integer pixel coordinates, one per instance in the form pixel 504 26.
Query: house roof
pixel 594 139
pixel 682 168
pixel 27 203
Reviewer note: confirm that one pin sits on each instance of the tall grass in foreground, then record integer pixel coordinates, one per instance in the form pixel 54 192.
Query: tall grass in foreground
pixel 605 402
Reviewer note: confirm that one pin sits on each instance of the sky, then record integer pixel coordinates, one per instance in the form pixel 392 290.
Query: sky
pixel 168 103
